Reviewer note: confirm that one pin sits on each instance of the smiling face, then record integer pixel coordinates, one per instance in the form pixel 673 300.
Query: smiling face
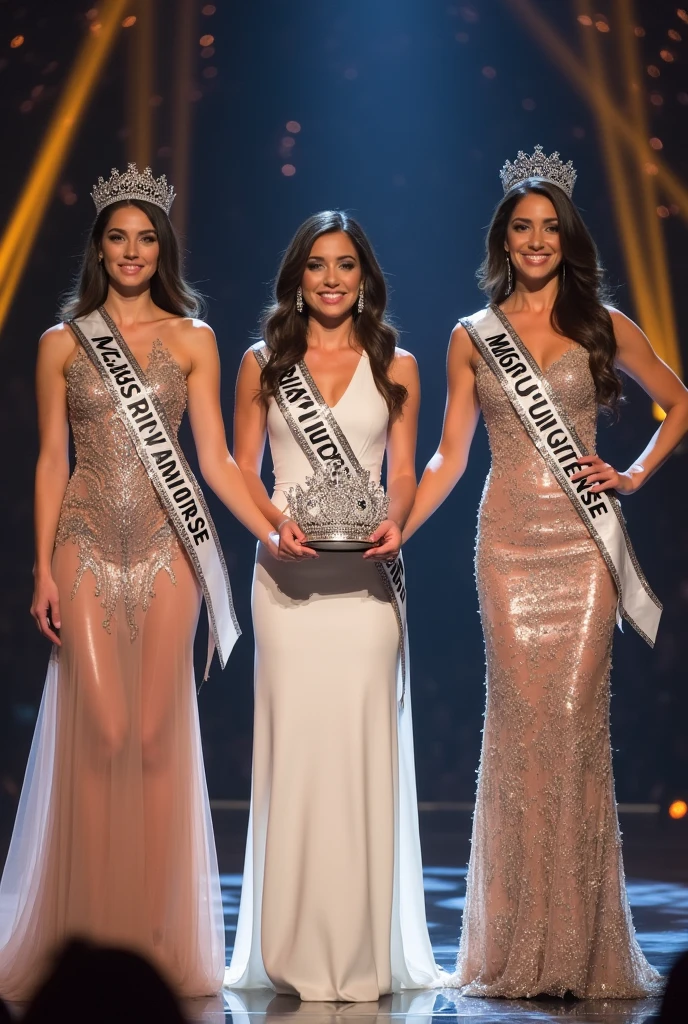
pixel 533 240
pixel 333 275
pixel 130 248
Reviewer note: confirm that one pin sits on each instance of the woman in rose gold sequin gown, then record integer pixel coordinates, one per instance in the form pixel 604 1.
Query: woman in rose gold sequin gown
pixel 546 908
pixel 113 839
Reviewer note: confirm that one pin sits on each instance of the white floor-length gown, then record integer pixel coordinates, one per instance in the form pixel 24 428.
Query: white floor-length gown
pixel 332 905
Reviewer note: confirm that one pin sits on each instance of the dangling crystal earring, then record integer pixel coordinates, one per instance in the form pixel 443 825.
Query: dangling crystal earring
pixel 510 283
pixel 299 299
pixel 361 299
pixel 563 274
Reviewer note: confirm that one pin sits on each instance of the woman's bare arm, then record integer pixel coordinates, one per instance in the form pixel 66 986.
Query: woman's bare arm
pixel 401 460
pixel 52 470
pixel 219 469
pixel 637 358
pixel 448 464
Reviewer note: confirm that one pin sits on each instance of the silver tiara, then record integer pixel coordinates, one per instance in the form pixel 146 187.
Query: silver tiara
pixel 133 185
pixel 548 168
pixel 337 508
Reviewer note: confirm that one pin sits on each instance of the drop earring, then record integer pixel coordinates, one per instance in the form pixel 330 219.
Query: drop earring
pixel 563 274
pixel 510 284
pixel 299 299
pixel 361 299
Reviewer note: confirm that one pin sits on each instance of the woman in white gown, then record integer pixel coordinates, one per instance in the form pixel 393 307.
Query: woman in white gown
pixel 332 903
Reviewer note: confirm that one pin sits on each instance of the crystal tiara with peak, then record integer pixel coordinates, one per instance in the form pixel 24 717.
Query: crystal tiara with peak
pixel 537 165
pixel 132 184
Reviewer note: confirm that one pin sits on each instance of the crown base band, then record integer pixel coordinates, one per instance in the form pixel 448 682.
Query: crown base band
pixel 342 544
pixel 333 535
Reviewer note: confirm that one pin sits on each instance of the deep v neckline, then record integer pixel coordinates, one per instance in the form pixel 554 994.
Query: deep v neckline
pixel 157 346
pixel 543 371
pixel 318 392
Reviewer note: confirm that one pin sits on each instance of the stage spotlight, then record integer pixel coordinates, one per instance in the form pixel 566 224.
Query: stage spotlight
pixel 678 809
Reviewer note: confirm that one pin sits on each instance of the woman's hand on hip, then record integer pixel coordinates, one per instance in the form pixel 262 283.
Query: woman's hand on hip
pixel 387 540
pixel 604 477
pixel 45 607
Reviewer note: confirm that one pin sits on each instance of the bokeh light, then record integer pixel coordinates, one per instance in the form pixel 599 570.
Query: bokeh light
pixel 678 809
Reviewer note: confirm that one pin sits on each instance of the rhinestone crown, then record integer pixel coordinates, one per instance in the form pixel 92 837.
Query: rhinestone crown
pixel 537 165
pixel 133 185
pixel 338 505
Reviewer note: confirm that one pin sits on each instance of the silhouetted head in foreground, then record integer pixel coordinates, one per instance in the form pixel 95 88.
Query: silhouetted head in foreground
pixel 91 983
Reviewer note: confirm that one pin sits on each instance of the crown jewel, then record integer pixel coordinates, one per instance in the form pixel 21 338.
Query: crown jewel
pixel 132 184
pixel 338 509
pixel 537 165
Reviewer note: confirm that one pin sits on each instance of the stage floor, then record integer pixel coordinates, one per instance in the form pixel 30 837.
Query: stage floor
pixel 657 869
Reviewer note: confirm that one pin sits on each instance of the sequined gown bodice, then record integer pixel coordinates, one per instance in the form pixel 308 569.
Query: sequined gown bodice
pixel 546 908
pixel 111 509
pixel 510 445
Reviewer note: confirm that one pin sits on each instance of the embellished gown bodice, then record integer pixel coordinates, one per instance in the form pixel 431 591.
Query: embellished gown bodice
pixel 519 479
pixel 546 908
pixel 111 509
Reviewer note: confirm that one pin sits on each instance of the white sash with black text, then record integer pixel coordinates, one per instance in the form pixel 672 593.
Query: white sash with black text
pixel 324 443
pixel 156 444
pixel 559 445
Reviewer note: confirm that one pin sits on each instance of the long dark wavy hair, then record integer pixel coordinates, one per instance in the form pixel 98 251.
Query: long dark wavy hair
pixel 168 288
pixel 285 330
pixel 579 311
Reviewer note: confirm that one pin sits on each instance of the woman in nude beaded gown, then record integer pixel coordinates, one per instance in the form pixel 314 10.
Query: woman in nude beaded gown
pixel 113 839
pixel 546 908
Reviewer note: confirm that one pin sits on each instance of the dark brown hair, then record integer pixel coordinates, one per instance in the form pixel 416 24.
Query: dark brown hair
pixel 285 330
pixel 168 288
pixel 579 311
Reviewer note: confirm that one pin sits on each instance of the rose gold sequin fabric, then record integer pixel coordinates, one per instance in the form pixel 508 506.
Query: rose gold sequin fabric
pixel 546 908
pixel 110 509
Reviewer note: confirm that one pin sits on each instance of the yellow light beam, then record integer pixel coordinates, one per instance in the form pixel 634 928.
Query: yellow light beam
pixel 658 274
pixel 625 209
pixel 561 55
pixel 181 141
pixel 20 233
pixel 141 81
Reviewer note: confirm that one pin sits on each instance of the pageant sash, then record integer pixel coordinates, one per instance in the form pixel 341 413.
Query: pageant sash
pixel 324 443
pixel 146 422
pixel 559 445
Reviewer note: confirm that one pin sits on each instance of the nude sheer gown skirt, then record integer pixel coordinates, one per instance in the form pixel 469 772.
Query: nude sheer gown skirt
pixel 332 900
pixel 546 908
pixel 113 839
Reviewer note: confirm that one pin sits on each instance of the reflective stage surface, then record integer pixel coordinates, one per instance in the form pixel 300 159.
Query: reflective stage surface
pixel 656 858
pixel 657 867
